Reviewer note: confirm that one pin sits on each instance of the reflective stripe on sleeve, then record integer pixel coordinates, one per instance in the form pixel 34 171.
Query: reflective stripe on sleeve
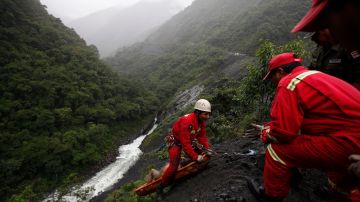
pixel 299 78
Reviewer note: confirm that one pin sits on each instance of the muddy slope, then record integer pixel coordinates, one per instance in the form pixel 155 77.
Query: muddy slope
pixel 225 177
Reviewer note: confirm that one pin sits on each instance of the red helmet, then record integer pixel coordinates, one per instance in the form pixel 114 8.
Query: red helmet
pixel 308 22
pixel 281 60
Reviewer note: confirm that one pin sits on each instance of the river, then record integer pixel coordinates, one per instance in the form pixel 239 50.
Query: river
pixel 107 177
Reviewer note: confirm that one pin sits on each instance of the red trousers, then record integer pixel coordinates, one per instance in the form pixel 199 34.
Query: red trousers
pixel 174 161
pixel 327 153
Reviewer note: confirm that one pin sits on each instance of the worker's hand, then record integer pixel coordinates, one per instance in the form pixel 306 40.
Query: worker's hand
pixel 257 126
pixel 354 157
pixel 354 168
pixel 264 134
pixel 200 158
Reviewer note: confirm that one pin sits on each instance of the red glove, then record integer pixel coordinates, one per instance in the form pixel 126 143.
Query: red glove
pixel 264 134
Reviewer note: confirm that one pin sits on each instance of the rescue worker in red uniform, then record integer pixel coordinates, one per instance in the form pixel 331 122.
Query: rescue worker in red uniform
pixel 342 18
pixel 185 130
pixel 315 123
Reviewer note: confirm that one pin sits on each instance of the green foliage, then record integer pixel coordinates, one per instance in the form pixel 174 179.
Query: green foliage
pixel 255 94
pixel 237 104
pixel 203 21
pixel 59 104
pixel 26 195
pixel 125 193
pixel 221 129
pixel 194 47
pixel 168 72
pixel 261 22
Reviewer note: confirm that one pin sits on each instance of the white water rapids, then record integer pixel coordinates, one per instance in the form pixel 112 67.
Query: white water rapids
pixel 106 178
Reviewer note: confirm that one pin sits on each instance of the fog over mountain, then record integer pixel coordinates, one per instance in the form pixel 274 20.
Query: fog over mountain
pixel 116 27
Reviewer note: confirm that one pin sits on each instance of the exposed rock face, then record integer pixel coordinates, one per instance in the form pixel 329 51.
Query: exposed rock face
pixel 188 97
pixel 184 99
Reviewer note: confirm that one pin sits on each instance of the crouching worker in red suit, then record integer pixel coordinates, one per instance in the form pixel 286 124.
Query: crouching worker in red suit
pixel 184 131
pixel 315 123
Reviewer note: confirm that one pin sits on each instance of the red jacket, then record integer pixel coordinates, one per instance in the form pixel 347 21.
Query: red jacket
pixel 186 129
pixel 314 103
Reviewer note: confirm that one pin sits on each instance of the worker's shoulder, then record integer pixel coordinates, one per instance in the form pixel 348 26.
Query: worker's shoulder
pixel 187 118
pixel 293 75
pixel 301 75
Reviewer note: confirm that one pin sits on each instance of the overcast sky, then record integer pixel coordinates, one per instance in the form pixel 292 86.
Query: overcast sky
pixel 71 9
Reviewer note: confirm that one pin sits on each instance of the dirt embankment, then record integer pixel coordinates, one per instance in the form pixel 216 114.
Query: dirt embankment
pixel 224 179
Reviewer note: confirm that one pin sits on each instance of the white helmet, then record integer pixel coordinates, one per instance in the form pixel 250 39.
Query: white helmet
pixel 203 105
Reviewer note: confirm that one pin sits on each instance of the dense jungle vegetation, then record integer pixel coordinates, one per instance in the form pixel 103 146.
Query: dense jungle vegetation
pixel 62 110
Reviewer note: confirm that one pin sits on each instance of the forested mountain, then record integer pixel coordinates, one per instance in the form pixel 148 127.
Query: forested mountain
pixel 205 40
pixel 116 27
pixel 202 21
pixel 230 24
pixel 62 110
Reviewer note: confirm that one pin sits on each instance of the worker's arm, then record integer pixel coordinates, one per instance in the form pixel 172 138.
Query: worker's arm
pixel 286 117
pixel 185 140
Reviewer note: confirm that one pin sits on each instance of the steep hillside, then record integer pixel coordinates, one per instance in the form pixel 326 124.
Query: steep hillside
pixel 236 25
pixel 269 20
pixel 208 40
pixel 201 21
pixel 114 28
pixel 62 110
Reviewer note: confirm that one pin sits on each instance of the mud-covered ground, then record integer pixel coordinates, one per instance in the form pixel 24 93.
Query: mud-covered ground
pixel 224 179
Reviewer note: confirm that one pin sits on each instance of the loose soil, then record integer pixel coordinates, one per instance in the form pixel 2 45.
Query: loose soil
pixel 224 179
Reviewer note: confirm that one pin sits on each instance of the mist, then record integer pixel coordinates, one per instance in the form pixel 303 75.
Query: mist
pixel 113 24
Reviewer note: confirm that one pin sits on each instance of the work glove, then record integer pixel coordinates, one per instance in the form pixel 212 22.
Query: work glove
pixel 264 134
pixel 200 158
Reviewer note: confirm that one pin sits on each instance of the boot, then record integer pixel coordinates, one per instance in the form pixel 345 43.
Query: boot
pixel 259 192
